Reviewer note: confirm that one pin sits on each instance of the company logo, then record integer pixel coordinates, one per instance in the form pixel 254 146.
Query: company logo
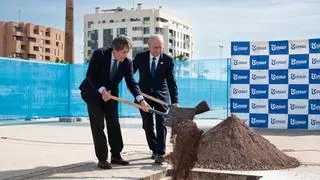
pixel 297 46
pixel 315 61
pixel 239 91
pixel 255 120
pixel 258 77
pixel 278 77
pixel 298 62
pixel 314 107
pixel 314 122
pixel 239 106
pixel 277 62
pixel 258 106
pixel 258 92
pixel 277 121
pixel 295 106
pixel 239 62
pixel 315 91
pixel 240 48
pixel 277 106
pixel 298 92
pixel 296 122
pixel 258 48
pixel 315 45
pixel 277 91
pixel 239 77
pixel 257 63
pixel 277 47
pixel 298 76
pixel 315 76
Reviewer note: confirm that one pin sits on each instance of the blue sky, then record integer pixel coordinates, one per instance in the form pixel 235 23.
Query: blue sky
pixel 214 21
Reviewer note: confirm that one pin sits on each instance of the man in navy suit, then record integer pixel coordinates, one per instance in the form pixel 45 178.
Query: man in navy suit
pixel 106 69
pixel 156 79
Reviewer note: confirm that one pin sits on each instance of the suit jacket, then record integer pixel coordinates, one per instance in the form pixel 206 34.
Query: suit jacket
pixel 163 83
pixel 98 75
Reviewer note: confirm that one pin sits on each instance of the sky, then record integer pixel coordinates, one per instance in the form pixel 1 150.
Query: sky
pixel 215 22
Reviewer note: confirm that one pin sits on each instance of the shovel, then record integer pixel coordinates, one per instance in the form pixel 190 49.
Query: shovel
pixel 179 113
pixel 200 108
pixel 173 113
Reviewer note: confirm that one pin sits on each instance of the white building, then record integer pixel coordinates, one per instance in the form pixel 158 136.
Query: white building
pixel 138 24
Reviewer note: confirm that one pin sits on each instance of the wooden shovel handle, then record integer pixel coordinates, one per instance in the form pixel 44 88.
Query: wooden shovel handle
pixel 127 102
pixel 155 99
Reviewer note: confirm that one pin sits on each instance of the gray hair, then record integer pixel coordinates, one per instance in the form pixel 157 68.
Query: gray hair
pixel 121 42
pixel 155 36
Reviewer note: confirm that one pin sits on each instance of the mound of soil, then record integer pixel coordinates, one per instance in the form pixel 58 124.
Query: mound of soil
pixel 232 145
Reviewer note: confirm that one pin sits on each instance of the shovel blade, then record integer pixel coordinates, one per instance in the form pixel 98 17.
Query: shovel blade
pixel 202 107
pixel 179 114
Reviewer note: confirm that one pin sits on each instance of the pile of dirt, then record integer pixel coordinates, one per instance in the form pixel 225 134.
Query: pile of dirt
pixel 186 136
pixel 232 145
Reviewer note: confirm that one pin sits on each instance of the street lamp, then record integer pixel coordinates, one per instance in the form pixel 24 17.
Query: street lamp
pixel 221 47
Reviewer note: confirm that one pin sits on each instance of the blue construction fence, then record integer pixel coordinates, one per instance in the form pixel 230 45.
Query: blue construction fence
pixel 31 89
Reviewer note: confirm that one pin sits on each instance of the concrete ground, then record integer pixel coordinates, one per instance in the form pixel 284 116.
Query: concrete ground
pixel 54 150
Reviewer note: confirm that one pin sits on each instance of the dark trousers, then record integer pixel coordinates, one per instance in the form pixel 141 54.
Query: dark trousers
pixel 97 114
pixel 156 141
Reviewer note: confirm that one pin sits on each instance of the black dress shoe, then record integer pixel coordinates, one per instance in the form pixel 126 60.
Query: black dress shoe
pixel 153 156
pixel 104 165
pixel 159 159
pixel 118 160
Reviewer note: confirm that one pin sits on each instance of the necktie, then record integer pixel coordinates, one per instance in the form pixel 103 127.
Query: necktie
pixel 153 66
pixel 113 69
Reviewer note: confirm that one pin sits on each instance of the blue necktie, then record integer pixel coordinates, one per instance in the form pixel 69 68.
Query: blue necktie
pixel 153 67
pixel 113 69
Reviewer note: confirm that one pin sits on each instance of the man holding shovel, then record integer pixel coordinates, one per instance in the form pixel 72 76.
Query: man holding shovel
pixel 156 79
pixel 106 69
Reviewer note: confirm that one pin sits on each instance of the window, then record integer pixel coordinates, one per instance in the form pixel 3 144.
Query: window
pixel 17 29
pixel 17 38
pixel 122 31
pixel 145 40
pixel 146 30
pixel 146 19
pixel 123 20
pixel 90 24
pixel 137 28
pixel 23 47
pixel 35 48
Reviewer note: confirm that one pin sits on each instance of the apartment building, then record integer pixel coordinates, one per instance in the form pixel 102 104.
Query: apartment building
pixel 30 41
pixel 138 24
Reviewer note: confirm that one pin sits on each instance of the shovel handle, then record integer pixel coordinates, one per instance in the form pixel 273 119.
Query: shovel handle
pixel 155 99
pixel 127 102
pixel 136 105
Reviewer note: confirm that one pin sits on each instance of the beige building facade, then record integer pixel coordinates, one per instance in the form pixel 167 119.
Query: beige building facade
pixel 138 24
pixel 32 42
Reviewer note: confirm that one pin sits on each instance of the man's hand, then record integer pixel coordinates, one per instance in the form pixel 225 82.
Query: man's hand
pixel 106 95
pixel 145 105
pixel 175 105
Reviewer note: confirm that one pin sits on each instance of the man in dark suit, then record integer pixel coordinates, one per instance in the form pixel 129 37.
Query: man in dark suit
pixel 156 79
pixel 106 69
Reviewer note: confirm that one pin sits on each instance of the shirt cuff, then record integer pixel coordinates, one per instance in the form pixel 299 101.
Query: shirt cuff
pixel 101 89
pixel 139 98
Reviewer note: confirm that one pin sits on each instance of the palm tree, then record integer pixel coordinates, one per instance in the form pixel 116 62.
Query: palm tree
pixel 68 48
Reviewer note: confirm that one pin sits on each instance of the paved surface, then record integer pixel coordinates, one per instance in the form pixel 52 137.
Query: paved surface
pixel 55 150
